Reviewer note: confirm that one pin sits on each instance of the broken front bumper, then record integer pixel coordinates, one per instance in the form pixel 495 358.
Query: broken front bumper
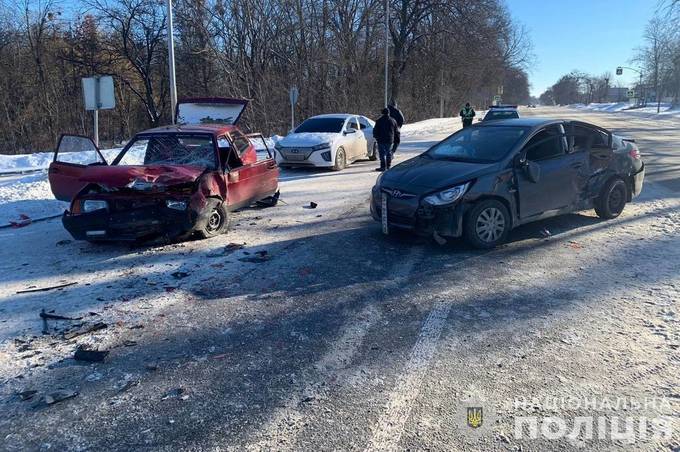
pixel 130 224
pixel 421 218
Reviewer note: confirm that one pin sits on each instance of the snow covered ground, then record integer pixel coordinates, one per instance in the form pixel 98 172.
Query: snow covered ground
pixel 666 110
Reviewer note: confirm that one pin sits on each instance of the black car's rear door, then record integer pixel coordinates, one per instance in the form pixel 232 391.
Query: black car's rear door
pixel 556 187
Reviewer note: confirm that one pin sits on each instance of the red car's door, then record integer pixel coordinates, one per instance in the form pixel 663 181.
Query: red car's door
pixel 73 155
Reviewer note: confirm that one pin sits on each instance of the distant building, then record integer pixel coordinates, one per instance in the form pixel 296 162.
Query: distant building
pixel 617 94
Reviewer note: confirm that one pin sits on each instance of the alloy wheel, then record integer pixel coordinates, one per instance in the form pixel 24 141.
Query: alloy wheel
pixel 214 221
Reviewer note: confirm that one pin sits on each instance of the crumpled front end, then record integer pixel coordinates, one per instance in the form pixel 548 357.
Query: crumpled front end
pixel 408 212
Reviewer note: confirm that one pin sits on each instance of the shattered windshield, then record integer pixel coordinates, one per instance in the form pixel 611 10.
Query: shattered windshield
pixel 170 149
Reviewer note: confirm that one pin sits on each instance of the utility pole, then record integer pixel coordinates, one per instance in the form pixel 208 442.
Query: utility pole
pixel 171 63
pixel 387 44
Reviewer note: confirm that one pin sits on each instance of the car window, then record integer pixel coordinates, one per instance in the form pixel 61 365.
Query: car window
pixel 546 144
pixel 352 124
pixel 501 114
pixel 363 123
pixel 169 149
pixel 478 144
pixel 241 143
pixel 321 125
pixel 588 138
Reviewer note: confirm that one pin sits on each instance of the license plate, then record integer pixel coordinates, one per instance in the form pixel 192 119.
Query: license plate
pixel 383 214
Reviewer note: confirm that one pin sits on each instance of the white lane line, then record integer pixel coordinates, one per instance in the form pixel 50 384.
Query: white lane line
pixel 388 430
pixel 286 423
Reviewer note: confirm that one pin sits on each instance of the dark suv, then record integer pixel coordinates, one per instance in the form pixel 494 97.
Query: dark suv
pixel 484 180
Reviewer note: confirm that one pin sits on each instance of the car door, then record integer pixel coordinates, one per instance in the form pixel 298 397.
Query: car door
pixel 367 132
pixel 353 134
pixel 249 178
pixel 73 155
pixel 555 188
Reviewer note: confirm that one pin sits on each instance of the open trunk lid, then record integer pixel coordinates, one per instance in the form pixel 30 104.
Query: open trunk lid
pixel 209 110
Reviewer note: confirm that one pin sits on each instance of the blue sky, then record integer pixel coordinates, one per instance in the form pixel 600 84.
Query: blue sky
pixel 593 36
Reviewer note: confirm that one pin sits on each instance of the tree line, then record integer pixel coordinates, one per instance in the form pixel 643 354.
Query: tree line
pixel 658 60
pixel 442 53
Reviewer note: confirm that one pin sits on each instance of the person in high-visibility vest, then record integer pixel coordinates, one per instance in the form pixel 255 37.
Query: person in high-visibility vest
pixel 466 114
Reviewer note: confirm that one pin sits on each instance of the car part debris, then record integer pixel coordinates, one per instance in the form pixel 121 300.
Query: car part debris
pixel 44 289
pixel 27 395
pixel 85 354
pixel 312 205
pixel 50 316
pixel 59 396
pixel 24 220
pixel 179 275
pixel 85 329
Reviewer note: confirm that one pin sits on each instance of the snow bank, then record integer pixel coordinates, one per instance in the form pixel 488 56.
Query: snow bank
pixel 625 107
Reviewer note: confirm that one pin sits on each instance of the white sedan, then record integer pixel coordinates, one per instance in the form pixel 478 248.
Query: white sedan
pixel 328 141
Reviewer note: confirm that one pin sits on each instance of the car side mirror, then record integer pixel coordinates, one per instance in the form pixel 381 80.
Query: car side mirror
pixel 533 171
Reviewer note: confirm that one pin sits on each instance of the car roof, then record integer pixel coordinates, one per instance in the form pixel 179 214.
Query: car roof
pixel 334 115
pixel 214 129
pixel 520 122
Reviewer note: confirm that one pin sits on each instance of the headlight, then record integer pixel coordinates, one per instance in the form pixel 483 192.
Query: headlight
pixel 177 205
pixel 448 196
pixel 90 205
pixel 321 146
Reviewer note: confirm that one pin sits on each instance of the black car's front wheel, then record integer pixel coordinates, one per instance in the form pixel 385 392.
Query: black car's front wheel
pixel 612 200
pixel 487 224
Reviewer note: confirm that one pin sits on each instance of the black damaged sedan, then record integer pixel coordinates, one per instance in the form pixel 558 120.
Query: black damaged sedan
pixel 489 178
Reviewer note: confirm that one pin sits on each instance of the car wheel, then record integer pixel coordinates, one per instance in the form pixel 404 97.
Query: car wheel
pixel 214 221
pixel 373 155
pixel 487 224
pixel 612 200
pixel 340 160
pixel 269 201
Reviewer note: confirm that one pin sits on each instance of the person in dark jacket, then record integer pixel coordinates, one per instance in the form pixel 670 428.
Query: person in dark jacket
pixel 467 113
pixel 398 116
pixel 383 132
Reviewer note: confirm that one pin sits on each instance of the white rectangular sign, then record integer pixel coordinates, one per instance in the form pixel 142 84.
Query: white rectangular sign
pixel 98 93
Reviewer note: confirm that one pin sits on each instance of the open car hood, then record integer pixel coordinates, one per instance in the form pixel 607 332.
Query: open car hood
pixel 158 175
pixel 209 110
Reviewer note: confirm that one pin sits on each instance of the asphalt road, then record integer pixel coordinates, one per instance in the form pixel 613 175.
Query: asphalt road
pixel 342 339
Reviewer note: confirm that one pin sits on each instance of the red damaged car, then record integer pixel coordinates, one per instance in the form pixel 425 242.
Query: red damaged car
pixel 170 181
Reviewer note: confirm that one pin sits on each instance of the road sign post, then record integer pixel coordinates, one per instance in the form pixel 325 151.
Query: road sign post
pixel 293 94
pixel 98 95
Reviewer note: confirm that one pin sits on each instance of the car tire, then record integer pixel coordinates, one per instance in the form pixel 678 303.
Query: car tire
pixel 487 224
pixel 214 220
pixel 373 156
pixel 270 201
pixel 612 199
pixel 340 160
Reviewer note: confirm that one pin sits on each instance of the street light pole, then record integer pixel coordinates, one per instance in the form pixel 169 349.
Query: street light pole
pixel 387 44
pixel 171 64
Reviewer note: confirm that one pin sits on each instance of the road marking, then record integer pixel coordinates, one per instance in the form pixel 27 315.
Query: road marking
pixel 282 429
pixel 388 430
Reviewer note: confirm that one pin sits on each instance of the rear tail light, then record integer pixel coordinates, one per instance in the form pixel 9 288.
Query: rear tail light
pixel 634 153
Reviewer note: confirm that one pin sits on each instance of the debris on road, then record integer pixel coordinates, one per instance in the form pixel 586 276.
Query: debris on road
pixel 44 289
pixel 83 353
pixel 230 248
pixel 311 205
pixel 260 256
pixel 85 329
pixel 59 396
pixel 50 316
pixel 64 242
pixel 545 233
pixel 129 343
pixel 179 275
pixel 177 393
pixel 27 395
pixel 24 220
